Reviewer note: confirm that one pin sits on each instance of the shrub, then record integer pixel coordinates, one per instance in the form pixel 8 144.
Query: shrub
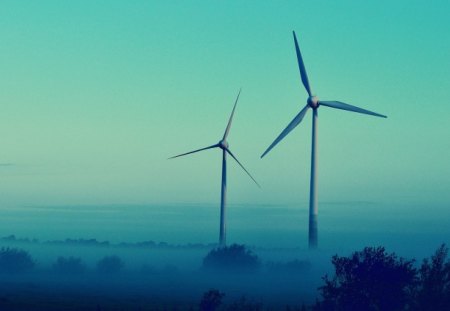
pixel 433 292
pixel 110 264
pixel 70 265
pixel 369 280
pixel 14 260
pixel 211 300
pixel 231 258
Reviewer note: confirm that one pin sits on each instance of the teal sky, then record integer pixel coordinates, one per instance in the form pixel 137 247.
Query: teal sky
pixel 95 95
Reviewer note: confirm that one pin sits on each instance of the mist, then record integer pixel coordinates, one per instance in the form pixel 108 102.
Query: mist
pixel 162 249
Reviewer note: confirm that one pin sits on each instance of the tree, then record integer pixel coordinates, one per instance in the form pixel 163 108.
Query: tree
pixel 433 292
pixel 13 260
pixel 369 280
pixel 211 300
pixel 231 258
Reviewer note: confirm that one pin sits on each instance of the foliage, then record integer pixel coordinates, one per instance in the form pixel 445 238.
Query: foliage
pixel 433 292
pixel 110 264
pixel 369 280
pixel 70 265
pixel 231 258
pixel 13 260
pixel 211 300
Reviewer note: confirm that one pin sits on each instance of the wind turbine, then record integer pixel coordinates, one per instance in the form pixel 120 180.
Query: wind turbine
pixel 314 103
pixel 223 144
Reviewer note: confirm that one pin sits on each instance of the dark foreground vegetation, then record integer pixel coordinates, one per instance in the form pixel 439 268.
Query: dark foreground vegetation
pixel 373 279
pixel 370 279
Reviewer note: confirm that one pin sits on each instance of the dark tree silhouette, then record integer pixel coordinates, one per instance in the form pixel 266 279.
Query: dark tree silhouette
pixel 13 260
pixel 433 292
pixel 231 258
pixel 211 300
pixel 369 280
pixel 110 264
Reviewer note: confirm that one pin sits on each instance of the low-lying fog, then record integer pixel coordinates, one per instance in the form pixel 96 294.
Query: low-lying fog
pixel 157 274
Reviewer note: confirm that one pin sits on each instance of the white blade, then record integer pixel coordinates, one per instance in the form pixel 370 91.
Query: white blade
pixel 298 118
pixel 227 130
pixel 344 106
pixel 301 66
pixel 183 154
pixel 232 155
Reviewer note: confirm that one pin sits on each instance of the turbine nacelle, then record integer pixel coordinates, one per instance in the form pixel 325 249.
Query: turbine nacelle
pixel 223 144
pixel 313 102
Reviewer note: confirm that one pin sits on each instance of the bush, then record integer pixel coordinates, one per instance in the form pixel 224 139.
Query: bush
pixel 369 280
pixel 110 264
pixel 433 292
pixel 70 265
pixel 13 260
pixel 211 300
pixel 231 258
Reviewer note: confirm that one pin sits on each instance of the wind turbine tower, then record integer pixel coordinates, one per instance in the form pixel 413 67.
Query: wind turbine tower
pixel 223 144
pixel 313 103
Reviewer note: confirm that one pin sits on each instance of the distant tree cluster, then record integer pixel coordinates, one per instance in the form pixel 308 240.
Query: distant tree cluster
pixel 110 264
pixel 372 279
pixel 94 243
pixel 235 257
pixel 14 260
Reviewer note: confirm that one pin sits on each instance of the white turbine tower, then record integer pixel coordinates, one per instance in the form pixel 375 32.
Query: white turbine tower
pixel 223 144
pixel 314 103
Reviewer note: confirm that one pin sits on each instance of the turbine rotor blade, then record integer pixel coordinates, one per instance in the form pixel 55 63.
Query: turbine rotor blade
pixel 301 66
pixel 344 106
pixel 198 150
pixel 298 118
pixel 232 155
pixel 227 130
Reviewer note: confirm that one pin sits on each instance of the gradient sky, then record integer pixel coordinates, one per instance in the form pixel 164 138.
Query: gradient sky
pixel 95 95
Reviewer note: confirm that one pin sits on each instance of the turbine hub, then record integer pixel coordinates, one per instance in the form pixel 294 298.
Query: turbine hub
pixel 223 144
pixel 313 102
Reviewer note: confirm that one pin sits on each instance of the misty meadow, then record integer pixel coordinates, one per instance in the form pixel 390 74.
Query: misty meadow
pixel 66 270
